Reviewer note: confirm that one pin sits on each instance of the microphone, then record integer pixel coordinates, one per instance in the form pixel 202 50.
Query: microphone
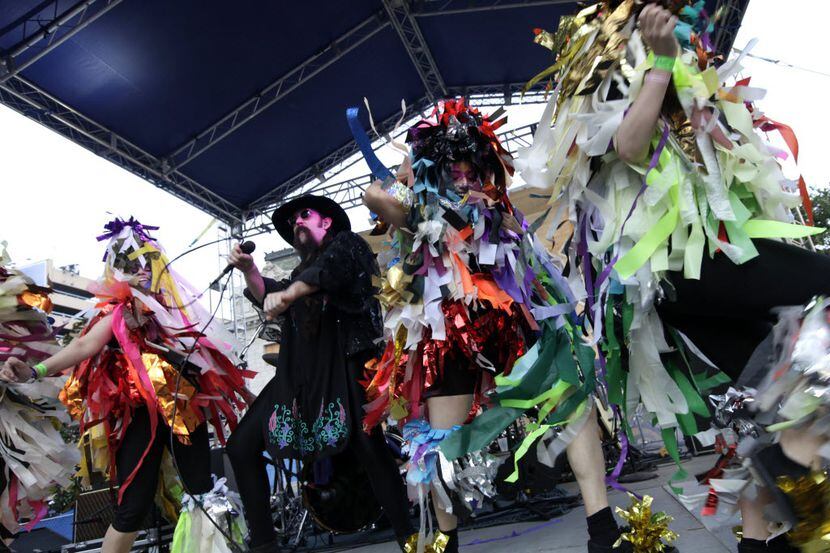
pixel 246 247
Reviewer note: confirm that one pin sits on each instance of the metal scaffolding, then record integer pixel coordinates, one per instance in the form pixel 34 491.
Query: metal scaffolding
pixel 276 91
pixel 43 29
pixel 37 37
pixel 349 193
pixel 429 8
pixel 343 158
pixel 416 47
pixel 336 161
pixel 397 13
pixel 731 15
pixel 35 103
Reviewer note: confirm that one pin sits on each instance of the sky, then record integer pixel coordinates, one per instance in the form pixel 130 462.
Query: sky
pixel 56 196
pixel 792 32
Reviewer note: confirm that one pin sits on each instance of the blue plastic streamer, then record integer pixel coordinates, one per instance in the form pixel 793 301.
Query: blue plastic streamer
pixel 379 170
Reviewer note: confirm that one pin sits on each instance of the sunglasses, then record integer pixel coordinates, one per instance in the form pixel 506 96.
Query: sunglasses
pixel 302 214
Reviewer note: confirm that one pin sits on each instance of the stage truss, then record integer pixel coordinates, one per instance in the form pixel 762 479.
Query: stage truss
pixel 47 27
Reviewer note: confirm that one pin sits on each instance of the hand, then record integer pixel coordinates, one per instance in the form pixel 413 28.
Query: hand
pixel 15 370
pixel 241 260
pixel 374 194
pixel 275 304
pixel 657 25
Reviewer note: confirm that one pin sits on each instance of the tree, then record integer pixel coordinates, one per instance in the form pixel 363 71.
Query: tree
pixel 65 498
pixel 821 213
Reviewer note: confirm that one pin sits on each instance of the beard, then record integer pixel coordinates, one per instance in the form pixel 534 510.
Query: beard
pixel 304 243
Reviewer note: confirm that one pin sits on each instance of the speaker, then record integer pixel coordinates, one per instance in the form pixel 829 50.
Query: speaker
pixel 94 512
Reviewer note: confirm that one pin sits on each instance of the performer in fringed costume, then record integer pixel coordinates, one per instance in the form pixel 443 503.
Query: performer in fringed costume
pixel 147 365
pixel 783 397
pixel 670 206
pixel 34 460
pixel 792 405
pixel 480 326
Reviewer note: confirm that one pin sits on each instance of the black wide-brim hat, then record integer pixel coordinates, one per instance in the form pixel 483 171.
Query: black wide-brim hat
pixel 283 222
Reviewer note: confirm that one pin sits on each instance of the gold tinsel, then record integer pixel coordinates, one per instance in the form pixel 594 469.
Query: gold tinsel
pixel 588 46
pixel 810 497
pixel 394 289
pixel 39 300
pixel 648 532
pixel 438 545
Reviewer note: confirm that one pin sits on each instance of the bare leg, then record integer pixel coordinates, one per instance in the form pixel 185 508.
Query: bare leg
pixel 755 526
pixel 801 446
pixel 445 412
pixel 117 542
pixel 588 464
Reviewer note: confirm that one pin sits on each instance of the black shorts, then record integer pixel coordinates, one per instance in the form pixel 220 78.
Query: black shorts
pixel 193 461
pixel 456 380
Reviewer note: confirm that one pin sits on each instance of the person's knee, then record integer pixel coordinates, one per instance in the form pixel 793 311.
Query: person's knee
pixel 447 411
pixel 130 516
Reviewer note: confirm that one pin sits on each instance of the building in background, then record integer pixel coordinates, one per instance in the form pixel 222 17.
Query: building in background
pixel 247 321
pixel 70 296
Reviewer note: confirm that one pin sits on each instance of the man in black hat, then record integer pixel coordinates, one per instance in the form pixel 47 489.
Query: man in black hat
pixel 312 408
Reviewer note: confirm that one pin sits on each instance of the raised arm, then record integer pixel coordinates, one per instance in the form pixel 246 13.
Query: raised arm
pixel 80 349
pixel 253 279
pixel 634 135
pixel 387 207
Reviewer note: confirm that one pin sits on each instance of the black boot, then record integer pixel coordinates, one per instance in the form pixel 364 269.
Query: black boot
pixel 270 547
pixel 752 546
pixel 781 544
pixel 452 543
pixel 625 547
pixel 603 533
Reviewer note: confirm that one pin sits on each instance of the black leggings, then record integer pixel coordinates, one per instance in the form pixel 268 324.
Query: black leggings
pixel 247 444
pixel 193 461
pixel 728 312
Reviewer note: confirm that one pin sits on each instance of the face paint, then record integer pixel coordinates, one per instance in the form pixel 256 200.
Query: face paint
pixel 464 176
pixel 316 225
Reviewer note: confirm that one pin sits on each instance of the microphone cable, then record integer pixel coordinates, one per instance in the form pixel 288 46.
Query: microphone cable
pixel 228 537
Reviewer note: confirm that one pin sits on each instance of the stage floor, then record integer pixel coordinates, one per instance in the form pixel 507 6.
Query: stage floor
pixel 567 534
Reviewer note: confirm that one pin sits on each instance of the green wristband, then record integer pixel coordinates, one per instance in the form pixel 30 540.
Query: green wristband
pixel 664 63
pixel 41 370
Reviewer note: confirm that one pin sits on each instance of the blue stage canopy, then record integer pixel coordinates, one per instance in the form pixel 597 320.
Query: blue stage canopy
pixel 232 105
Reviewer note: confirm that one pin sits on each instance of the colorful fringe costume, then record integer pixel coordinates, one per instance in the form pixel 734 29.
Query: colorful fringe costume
pixel 156 326
pixel 467 289
pixel 34 460
pixel 710 187
pixel 789 388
